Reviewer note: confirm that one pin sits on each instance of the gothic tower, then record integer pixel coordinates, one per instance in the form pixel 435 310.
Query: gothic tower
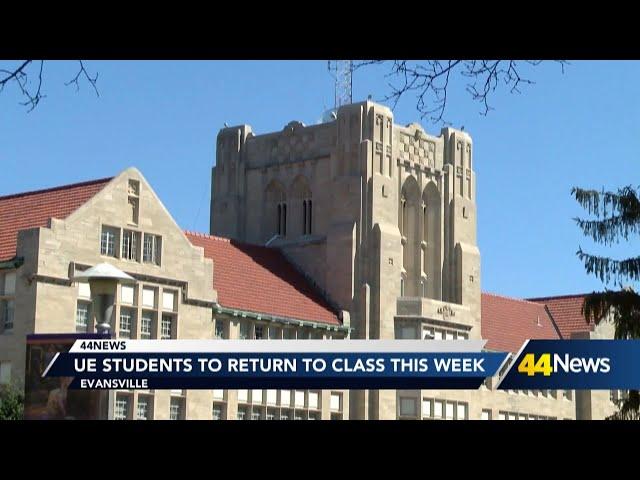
pixel 381 217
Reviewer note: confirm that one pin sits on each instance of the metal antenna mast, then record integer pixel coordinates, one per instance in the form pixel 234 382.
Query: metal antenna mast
pixel 342 73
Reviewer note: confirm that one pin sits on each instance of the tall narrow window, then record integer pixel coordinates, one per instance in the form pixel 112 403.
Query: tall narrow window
pixel 304 217
pixel 130 241
pixel 219 329
pixel 244 330
pixel 127 318
pixel 146 324
pixel 176 409
pixel 403 216
pixel 424 222
pixel 83 314
pixel 109 241
pixel 6 314
pixel 279 219
pixel 144 407
pixel 166 327
pixel 310 217
pixel 259 332
pixel 284 220
pixel 122 407
pixel 151 248
pixel 274 213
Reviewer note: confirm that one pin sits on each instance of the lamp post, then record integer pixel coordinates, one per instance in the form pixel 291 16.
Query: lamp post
pixel 103 281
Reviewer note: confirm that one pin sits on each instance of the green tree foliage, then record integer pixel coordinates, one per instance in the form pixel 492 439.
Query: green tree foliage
pixel 11 403
pixel 616 216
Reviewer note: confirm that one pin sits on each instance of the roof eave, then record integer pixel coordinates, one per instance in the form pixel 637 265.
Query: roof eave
pixel 237 312
pixel 15 262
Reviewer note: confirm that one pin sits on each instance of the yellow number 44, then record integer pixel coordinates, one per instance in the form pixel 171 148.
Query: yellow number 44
pixel 529 366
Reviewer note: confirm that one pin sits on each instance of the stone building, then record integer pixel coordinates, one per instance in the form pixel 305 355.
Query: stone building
pixel 187 286
pixel 382 217
pixel 356 227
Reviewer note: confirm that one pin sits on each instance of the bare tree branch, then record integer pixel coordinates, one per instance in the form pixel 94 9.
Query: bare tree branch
pixel 32 92
pixel 430 80
pixel 10 75
pixel 83 72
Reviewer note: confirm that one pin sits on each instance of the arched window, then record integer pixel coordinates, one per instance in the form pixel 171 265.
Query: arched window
pixel 304 216
pixel 432 247
pixel 307 210
pixel 283 228
pixel 403 215
pixel 275 218
pixel 302 205
pixel 410 215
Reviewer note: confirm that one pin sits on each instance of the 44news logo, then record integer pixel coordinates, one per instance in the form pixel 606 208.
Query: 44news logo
pixel 546 364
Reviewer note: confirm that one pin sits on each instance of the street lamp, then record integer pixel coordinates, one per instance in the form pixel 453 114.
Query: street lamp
pixel 103 282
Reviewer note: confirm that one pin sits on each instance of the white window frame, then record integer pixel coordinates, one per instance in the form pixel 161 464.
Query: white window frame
pixel 127 319
pixel 83 327
pixel 146 315
pixel 146 400
pixel 163 323
pixel 152 249
pixel 122 407
pixel 176 408
pixel 7 313
pixel 110 241
pixel 130 245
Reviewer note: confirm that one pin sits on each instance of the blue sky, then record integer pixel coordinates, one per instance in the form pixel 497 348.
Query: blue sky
pixel 577 128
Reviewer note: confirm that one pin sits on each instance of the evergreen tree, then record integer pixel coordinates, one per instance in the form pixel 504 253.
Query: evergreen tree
pixel 11 403
pixel 617 216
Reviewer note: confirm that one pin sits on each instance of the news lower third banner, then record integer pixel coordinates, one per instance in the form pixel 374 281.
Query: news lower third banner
pixel 221 364
pixel 98 364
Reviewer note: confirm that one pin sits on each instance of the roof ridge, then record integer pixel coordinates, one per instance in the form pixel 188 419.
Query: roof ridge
pixel 230 240
pixel 524 300
pixel 556 297
pixel 206 235
pixel 53 189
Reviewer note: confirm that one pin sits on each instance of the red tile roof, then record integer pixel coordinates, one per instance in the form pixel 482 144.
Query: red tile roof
pixel 566 311
pixel 508 322
pixel 22 211
pixel 259 279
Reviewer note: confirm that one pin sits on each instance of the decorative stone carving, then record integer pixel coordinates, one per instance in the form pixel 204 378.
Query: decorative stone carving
pixel 446 311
